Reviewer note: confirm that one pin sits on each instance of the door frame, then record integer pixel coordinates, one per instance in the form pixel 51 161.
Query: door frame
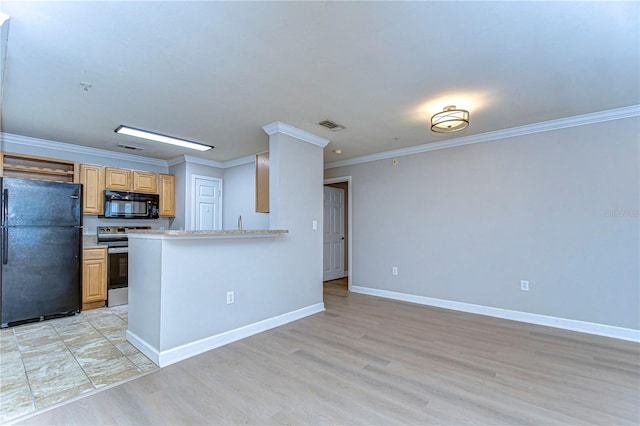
pixel 347 179
pixel 193 198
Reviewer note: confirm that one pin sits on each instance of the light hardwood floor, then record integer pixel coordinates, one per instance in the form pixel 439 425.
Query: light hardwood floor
pixel 368 360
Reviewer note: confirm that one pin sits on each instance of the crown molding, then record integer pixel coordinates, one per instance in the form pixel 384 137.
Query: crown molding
pixel 211 163
pixel 176 160
pixel 103 153
pixel 78 149
pixel 545 126
pixel 280 127
pixel 195 160
pixel 249 159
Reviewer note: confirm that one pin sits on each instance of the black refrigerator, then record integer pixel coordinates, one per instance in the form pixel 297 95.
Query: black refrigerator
pixel 40 250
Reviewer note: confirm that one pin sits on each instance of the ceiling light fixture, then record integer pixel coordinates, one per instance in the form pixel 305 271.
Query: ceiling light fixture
pixel 450 120
pixel 337 151
pixel 130 131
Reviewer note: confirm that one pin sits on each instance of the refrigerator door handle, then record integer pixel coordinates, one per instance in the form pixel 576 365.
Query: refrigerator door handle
pixel 5 246
pixel 5 206
pixel 5 237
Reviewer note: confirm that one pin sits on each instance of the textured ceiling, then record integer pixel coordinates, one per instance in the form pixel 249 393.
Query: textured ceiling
pixel 216 72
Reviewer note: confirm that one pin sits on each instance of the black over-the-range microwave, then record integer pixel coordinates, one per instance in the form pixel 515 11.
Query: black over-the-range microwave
pixel 131 205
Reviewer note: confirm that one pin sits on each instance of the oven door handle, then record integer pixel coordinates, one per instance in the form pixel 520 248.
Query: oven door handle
pixel 117 250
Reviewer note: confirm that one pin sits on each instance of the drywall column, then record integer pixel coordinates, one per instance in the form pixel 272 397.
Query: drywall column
pixel 4 36
pixel 296 175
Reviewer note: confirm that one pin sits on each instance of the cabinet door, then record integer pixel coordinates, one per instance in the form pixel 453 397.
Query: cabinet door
pixel 94 277
pixel 167 195
pixel 92 180
pixel 262 183
pixel 117 179
pixel 145 182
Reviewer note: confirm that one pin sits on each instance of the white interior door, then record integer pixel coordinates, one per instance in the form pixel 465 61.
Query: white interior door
pixel 333 233
pixel 207 203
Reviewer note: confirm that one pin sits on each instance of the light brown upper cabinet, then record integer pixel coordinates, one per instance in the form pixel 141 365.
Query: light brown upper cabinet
pixel 117 179
pixel 92 180
pixel 145 182
pixel 167 195
pixel 262 182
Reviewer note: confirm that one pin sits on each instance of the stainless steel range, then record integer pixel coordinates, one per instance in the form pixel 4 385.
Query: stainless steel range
pixel 115 238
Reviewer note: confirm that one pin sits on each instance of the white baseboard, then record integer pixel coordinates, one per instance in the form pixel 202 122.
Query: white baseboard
pixel 148 350
pixel 179 353
pixel 563 323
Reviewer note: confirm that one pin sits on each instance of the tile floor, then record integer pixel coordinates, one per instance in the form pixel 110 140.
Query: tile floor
pixel 47 362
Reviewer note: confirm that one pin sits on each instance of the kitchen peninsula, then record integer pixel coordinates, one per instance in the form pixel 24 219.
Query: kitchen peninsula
pixel 192 291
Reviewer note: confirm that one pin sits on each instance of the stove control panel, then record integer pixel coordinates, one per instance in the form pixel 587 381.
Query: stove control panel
pixel 118 230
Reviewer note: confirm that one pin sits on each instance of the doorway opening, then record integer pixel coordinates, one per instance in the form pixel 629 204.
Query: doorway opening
pixel 338 230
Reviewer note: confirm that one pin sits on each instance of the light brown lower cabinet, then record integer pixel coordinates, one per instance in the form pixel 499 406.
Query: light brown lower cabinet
pixel 94 277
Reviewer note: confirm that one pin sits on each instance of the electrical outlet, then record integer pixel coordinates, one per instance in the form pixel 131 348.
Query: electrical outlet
pixel 230 297
pixel 394 270
pixel 524 285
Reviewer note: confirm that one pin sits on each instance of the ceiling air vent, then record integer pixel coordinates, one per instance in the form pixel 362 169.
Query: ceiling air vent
pixel 334 127
pixel 131 147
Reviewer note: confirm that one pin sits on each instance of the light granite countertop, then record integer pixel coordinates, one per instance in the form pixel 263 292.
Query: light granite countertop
pixel 89 241
pixel 172 234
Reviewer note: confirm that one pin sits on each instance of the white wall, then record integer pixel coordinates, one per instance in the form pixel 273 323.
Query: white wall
pixel 295 201
pixel 4 36
pixel 239 199
pixel 466 224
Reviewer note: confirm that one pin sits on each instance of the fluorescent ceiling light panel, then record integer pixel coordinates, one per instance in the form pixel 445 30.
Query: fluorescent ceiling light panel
pixel 130 131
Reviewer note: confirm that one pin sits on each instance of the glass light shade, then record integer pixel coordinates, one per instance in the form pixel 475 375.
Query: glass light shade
pixel 130 131
pixel 450 120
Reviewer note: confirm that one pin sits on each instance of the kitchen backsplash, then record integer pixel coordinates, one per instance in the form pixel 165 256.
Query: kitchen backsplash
pixel 91 223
